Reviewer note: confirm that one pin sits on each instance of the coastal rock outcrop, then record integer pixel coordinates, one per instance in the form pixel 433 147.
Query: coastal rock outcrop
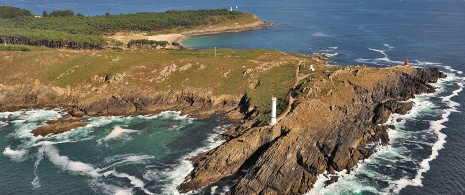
pixel 324 131
pixel 333 114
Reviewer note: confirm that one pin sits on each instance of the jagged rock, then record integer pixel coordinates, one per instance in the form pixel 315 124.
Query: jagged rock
pixel 320 133
pixel 317 137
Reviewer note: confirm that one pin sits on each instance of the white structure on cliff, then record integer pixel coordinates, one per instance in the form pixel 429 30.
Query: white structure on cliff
pixel 273 111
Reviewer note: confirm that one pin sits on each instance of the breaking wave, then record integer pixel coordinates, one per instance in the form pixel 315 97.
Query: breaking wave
pixel 404 161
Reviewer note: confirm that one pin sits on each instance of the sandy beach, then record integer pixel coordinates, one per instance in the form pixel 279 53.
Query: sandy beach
pixel 168 37
pixel 125 37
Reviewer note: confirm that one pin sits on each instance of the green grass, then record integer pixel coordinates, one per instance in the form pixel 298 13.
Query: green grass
pixel 14 48
pixel 277 83
pixel 221 75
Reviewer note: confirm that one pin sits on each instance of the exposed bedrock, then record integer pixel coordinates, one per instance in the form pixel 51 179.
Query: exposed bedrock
pixel 334 115
pixel 317 135
pixel 123 101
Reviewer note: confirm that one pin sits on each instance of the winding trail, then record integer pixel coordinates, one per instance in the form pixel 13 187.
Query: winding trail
pixel 298 78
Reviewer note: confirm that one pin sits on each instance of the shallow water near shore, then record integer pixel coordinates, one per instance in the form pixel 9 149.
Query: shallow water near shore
pixel 427 150
pixel 144 154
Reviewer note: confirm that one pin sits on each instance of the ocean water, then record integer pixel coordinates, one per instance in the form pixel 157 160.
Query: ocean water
pixel 111 155
pixel 143 155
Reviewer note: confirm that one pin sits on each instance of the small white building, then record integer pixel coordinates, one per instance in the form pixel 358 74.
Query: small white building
pixel 312 68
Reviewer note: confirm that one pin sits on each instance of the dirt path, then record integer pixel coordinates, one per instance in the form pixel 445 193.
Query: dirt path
pixel 298 78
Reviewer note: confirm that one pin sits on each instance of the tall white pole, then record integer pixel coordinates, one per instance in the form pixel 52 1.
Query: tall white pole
pixel 273 111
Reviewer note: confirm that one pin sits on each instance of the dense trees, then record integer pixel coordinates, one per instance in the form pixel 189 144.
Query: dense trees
pixel 68 30
pixel 49 38
pixel 60 13
pixel 11 12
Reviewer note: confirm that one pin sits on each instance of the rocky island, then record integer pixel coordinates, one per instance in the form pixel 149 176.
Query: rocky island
pixel 327 117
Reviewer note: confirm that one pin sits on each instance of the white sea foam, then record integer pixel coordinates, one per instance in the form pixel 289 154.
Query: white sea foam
pixel 109 188
pixel 126 159
pixel 40 155
pixel 9 114
pixel 68 165
pixel 422 105
pixel 40 115
pixel 47 147
pixel 175 115
pixel 81 168
pixel 177 175
pixel 329 55
pixel 16 155
pixel 136 182
pixel 119 132
pixel 213 189
pixel 380 61
pixel 320 34
pixel 386 61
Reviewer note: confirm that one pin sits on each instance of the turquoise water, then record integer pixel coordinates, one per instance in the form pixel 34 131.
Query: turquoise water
pixel 427 150
pixel 144 154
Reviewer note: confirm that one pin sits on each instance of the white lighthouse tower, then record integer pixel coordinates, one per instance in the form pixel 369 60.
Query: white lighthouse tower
pixel 273 111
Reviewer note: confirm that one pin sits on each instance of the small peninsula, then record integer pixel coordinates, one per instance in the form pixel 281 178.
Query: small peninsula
pixel 155 30
pixel 327 117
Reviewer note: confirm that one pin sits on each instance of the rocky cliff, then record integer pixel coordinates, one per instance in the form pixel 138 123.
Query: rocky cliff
pixel 331 113
pixel 123 101
pixel 330 124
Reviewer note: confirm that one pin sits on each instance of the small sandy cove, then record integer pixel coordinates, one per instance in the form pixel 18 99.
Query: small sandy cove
pixel 125 37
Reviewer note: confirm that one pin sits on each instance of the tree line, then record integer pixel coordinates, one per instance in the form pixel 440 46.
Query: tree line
pixel 12 12
pixel 50 38
pixel 76 28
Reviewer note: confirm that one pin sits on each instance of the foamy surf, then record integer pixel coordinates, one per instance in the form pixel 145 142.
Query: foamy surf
pixel 395 167
pixel 16 155
pixel 436 127
pixel 177 174
pixel 386 61
pixel 118 133
pixel 113 174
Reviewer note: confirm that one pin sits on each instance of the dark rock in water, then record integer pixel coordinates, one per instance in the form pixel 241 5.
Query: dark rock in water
pixel 332 179
pixel 60 125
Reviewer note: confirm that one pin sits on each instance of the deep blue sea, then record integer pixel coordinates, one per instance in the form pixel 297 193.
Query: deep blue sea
pixel 147 154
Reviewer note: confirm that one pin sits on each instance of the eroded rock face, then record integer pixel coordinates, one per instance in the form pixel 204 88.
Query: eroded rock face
pixel 332 119
pixel 317 135
pixel 122 102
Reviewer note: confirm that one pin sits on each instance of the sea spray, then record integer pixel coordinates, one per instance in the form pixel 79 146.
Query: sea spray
pixel 40 156
pixel 177 175
pixel 390 169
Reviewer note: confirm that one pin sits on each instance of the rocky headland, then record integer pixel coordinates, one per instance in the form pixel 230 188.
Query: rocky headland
pixel 327 116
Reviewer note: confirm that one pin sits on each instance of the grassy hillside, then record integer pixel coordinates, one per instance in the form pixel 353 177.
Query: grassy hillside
pixel 258 73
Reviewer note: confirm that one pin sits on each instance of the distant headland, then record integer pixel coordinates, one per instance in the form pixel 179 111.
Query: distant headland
pixel 148 30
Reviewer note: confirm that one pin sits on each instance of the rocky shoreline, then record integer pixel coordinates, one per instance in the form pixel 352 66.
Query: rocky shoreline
pixel 330 122
pixel 318 135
